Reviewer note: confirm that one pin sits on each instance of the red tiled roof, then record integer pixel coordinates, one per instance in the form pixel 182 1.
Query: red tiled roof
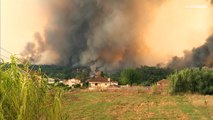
pixel 98 79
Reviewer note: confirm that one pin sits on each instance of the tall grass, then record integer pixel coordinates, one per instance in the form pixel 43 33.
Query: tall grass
pixel 25 95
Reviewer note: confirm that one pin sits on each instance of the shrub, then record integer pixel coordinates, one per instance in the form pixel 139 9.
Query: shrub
pixel 62 86
pixel 77 86
pixel 193 80
pixel 25 95
pixel 130 76
pixel 154 89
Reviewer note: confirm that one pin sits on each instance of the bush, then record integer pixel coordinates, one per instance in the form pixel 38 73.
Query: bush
pixel 193 80
pixel 25 95
pixel 62 86
pixel 130 76
pixel 77 86
pixel 150 75
pixel 154 89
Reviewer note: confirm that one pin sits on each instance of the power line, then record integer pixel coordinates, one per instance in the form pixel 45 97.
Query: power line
pixel 7 51
pixel 2 59
pixel 4 56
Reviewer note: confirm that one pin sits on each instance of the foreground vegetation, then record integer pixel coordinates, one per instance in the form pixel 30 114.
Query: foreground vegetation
pixel 136 106
pixel 192 80
pixel 25 95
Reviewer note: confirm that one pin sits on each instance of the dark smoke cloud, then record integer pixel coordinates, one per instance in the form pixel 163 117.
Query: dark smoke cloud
pixel 34 49
pixel 198 57
pixel 102 33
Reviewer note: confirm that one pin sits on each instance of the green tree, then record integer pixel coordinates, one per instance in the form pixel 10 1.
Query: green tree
pixel 83 76
pixel 150 75
pixel 130 76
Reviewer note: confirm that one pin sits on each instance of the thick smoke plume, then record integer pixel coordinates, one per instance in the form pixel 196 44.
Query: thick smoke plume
pixel 104 33
pixel 33 50
pixel 198 57
pixel 112 34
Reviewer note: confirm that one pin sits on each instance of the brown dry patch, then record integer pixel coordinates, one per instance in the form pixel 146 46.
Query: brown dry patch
pixel 182 117
pixel 167 103
pixel 120 110
pixel 201 100
pixel 174 115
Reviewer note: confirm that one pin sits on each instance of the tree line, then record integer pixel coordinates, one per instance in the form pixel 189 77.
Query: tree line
pixel 144 75
pixel 193 80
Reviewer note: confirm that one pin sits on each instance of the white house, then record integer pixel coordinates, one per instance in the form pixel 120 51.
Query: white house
pixel 101 83
pixel 98 83
pixel 72 82
pixel 51 80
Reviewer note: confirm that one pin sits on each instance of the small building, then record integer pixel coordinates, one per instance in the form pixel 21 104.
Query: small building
pixel 98 83
pixel 72 82
pixel 54 80
pixel 51 81
pixel 113 83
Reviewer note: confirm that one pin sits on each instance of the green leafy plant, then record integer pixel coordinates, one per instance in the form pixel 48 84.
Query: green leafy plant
pixel 193 80
pixel 25 94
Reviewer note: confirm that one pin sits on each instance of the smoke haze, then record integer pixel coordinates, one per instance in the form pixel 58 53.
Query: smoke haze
pixel 198 57
pixel 112 34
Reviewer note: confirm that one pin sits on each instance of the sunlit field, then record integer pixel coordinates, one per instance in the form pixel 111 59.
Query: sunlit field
pixel 136 106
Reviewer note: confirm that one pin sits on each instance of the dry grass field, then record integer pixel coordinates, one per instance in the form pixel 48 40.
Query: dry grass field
pixel 123 105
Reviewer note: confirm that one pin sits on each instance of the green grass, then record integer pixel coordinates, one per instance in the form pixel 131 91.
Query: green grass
pixel 125 106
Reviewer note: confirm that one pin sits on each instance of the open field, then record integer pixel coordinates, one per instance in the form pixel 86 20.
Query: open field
pixel 122 105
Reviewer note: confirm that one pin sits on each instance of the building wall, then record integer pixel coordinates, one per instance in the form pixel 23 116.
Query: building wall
pixel 72 82
pixel 114 83
pixel 99 85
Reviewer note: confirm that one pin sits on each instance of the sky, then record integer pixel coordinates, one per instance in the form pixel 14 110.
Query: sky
pixel 179 25
pixel 190 20
pixel 19 21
